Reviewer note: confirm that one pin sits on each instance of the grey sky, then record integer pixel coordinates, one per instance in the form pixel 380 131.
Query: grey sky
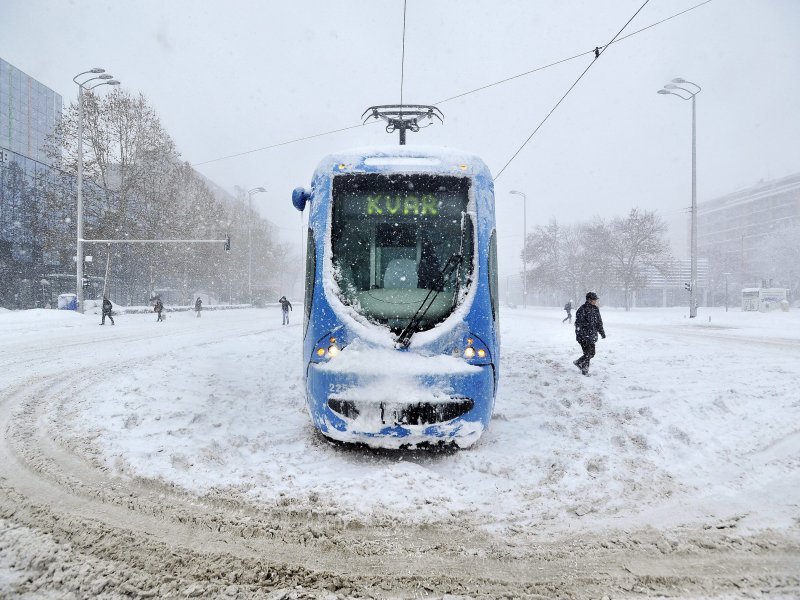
pixel 228 77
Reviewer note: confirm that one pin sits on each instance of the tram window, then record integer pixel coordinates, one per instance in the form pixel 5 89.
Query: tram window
pixel 493 290
pixel 392 235
pixel 311 269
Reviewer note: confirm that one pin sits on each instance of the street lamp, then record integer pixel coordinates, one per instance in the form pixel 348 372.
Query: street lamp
pixel 250 240
pixel 524 241
pixel 106 79
pixel 678 84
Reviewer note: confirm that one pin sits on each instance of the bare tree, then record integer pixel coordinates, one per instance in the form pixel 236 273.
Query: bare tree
pixel 136 187
pixel 542 256
pixel 633 245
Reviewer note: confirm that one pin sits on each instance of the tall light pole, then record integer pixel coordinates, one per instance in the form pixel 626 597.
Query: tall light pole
pixel 524 242
pixel 250 240
pixel 106 80
pixel 677 84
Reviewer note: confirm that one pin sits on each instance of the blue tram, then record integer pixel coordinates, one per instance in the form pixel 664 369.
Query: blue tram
pixel 401 340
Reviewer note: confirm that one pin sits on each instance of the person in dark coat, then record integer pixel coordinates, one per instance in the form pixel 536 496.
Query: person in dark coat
pixel 158 308
pixel 286 306
pixel 568 308
pixel 588 323
pixel 198 306
pixel 107 306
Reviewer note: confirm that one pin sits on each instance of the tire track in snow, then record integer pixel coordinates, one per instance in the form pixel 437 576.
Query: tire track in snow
pixel 142 538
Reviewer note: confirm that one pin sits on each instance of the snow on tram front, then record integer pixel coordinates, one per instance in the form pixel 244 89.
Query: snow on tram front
pixel 401 340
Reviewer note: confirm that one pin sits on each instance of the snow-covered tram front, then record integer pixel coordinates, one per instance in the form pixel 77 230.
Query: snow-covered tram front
pixel 401 344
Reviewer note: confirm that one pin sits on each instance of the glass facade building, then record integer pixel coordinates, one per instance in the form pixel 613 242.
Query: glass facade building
pixel 29 113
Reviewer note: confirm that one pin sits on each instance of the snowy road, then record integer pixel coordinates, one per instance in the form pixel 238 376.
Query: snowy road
pixel 176 459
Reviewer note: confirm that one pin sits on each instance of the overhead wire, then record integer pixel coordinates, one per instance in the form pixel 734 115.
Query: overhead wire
pixel 563 60
pixel 552 110
pixel 478 89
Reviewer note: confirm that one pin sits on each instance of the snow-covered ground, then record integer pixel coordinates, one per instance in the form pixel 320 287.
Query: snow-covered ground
pixel 692 422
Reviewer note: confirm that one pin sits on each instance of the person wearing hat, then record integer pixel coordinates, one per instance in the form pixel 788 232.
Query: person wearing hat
pixel 588 323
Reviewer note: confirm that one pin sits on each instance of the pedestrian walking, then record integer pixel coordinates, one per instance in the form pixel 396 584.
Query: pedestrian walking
pixel 198 306
pixel 159 306
pixel 107 306
pixel 286 306
pixel 568 308
pixel 588 323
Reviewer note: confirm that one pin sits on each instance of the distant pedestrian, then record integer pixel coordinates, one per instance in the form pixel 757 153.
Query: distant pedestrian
pixel 568 308
pixel 107 306
pixel 198 306
pixel 159 306
pixel 588 323
pixel 286 306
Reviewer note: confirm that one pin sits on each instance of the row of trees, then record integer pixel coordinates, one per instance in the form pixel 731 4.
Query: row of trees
pixel 620 254
pixel 137 188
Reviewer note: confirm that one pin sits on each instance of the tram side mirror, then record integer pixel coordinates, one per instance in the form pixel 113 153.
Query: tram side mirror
pixel 299 198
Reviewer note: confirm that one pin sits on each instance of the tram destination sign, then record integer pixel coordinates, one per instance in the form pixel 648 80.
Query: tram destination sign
pixel 397 204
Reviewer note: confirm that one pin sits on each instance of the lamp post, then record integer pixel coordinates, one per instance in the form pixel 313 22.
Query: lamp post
pixel 250 240
pixel 524 242
pixel 106 80
pixel 677 84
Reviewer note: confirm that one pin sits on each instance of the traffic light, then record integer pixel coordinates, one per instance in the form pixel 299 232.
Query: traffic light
pixel 227 243
pixel 688 287
pixel 85 282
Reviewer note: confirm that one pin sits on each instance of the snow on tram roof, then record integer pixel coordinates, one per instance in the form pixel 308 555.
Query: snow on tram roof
pixel 406 157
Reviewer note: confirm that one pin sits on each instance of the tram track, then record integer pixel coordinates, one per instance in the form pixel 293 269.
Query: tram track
pixel 82 529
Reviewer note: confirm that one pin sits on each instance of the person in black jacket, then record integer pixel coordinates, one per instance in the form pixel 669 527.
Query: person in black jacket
pixel 107 306
pixel 286 306
pixel 158 308
pixel 588 323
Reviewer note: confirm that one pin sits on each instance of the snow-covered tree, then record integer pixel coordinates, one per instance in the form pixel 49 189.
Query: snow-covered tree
pixel 633 245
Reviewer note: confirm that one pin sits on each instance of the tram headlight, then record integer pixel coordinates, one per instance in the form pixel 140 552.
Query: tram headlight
pixel 473 350
pixel 328 347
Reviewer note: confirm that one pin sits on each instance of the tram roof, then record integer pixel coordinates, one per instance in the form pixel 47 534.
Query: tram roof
pixel 391 159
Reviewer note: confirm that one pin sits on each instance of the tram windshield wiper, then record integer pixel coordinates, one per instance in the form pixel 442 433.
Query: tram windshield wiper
pixel 450 267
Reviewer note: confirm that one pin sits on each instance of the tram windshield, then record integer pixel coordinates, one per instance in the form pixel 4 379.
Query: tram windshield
pixel 392 237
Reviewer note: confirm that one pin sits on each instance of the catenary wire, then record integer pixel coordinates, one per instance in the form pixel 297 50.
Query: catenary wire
pixel 563 60
pixel 558 62
pixel 552 110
